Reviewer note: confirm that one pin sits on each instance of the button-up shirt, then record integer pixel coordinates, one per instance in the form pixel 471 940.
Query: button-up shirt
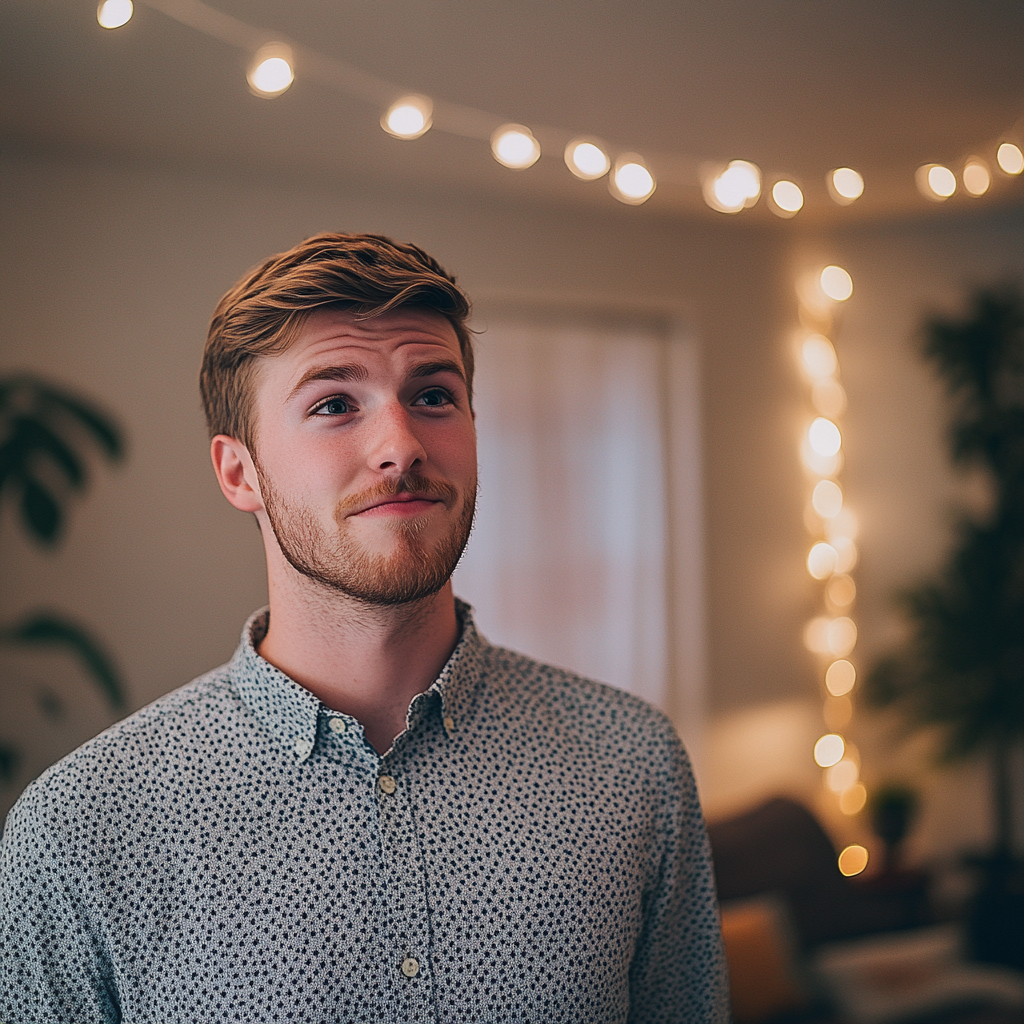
pixel 531 848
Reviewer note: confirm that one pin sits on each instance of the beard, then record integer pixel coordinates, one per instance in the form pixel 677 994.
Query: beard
pixel 339 562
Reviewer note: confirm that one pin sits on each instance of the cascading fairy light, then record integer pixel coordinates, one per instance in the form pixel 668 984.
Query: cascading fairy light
pixel 832 557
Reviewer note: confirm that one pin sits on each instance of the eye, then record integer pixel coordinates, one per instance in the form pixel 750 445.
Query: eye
pixel 435 398
pixel 336 406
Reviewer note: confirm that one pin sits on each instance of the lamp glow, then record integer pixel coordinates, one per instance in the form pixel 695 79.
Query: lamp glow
pixel 1010 158
pixel 114 13
pixel 514 146
pixel 587 160
pixel 824 437
pixel 829 750
pixel 630 181
pixel 787 198
pixel 845 185
pixel 840 678
pixel 853 860
pixel 836 283
pixel 409 117
pixel 976 176
pixel 271 72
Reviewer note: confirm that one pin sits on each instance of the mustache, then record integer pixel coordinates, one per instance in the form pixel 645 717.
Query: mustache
pixel 410 483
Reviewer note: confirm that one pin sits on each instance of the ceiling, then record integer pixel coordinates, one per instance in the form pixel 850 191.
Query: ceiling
pixel 797 86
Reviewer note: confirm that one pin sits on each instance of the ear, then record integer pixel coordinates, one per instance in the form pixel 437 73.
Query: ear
pixel 236 473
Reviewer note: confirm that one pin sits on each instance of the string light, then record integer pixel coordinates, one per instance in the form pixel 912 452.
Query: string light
pixel 514 146
pixel 829 750
pixel 853 860
pixel 630 181
pixel 976 176
pixel 787 198
pixel 836 283
pixel 818 357
pixel 935 181
pixel 821 561
pixel 1010 158
pixel 845 185
pixel 853 800
pixel 728 189
pixel 824 437
pixel 114 13
pixel 271 72
pixel 827 499
pixel 587 159
pixel 408 118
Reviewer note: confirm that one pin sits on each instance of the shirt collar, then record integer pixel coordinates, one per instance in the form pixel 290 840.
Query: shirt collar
pixel 289 711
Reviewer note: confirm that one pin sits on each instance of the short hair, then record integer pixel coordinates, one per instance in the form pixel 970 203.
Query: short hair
pixel 262 314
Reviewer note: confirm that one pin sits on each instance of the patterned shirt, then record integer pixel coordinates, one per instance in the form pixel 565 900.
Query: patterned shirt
pixel 531 848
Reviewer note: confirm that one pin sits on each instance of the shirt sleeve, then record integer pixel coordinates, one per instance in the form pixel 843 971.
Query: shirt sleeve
pixel 53 969
pixel 678 973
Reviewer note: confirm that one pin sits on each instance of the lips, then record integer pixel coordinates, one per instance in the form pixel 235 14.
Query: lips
pixel 399 504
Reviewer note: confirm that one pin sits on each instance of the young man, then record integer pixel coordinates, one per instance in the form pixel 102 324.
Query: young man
pixel 370 814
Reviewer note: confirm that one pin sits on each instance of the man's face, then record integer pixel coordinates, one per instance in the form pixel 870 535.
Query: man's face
pixel 366 453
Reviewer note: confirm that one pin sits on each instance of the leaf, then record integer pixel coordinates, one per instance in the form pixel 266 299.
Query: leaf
pixel 30 439
pixel 51 631
pixel 40 512
pixel 103 429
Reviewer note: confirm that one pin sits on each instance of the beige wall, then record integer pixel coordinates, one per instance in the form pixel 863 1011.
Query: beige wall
pixel 110 271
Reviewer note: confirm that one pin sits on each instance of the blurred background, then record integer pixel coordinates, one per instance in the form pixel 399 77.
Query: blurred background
pixel 705 243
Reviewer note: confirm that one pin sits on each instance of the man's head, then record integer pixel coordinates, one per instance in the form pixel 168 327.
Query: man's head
pixel 336 381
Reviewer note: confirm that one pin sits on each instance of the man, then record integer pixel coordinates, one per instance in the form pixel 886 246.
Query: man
pixel 369 814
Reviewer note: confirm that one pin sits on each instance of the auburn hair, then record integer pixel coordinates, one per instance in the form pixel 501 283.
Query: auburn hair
pixel 261 315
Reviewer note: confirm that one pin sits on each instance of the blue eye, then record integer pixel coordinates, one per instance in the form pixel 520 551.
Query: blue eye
pixel 333 407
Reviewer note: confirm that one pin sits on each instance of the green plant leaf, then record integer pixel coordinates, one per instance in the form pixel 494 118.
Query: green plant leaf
pixel 102 427
pixel 47 630
pixel 40 512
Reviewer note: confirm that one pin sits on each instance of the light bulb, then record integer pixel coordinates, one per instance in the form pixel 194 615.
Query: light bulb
pixel 513 145
pixel 976 176
pixel 824 437
pixel 271 72
pixel 409 117
pixel 845 185
pixel 587 160
pixel 836 283
pixel 787 198
pixel 114 13
pixel 1010 158
pixel 934 181
pixel 829 750
pixel 630 181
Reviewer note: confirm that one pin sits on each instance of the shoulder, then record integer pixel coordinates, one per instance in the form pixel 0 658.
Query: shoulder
pixel 106 771
pixel 593 712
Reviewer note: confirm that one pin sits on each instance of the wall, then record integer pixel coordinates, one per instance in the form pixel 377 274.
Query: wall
pixel 110 272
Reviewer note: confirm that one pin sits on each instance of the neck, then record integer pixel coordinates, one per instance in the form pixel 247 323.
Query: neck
pixel 363 660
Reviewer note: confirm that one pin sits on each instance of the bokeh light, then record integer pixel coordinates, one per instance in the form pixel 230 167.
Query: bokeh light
pixel 846 553
pixel 824 437
pixel 630 181
pixel 842 775
pixel 818 357
pixel 114 13
pixel 587 160
pixel 271 72
pixel 840 678
pixel 853 860
pixel 935 181
pixel 735 188
pixel 845 185
pixel 787 197
pixel 827 498
pixel 829 750
pixel 976 176
pixel 409 117
pixel 841 591
pixel 513 145
pixel 852 801
pixel 1010 158
pixel 841 636
pixel 828 397
pixel 836 283
pixel 837 712
pixel 821 561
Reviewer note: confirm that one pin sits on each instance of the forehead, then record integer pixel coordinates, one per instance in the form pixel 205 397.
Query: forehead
pixel 403 333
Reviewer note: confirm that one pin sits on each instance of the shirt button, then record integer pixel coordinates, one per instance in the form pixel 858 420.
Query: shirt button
pixel 303 747
pixel 337 725
pixel 387 785
pixel 449 724
pixel 410 967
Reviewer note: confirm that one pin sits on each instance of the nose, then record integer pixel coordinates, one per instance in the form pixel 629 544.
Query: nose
pixel 396 448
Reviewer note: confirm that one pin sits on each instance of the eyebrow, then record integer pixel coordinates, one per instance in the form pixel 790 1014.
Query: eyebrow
pixel 438 366
pixel 341 374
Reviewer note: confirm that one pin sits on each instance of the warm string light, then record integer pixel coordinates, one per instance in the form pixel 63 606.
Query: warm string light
pixel 728 188
pixel 832 635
